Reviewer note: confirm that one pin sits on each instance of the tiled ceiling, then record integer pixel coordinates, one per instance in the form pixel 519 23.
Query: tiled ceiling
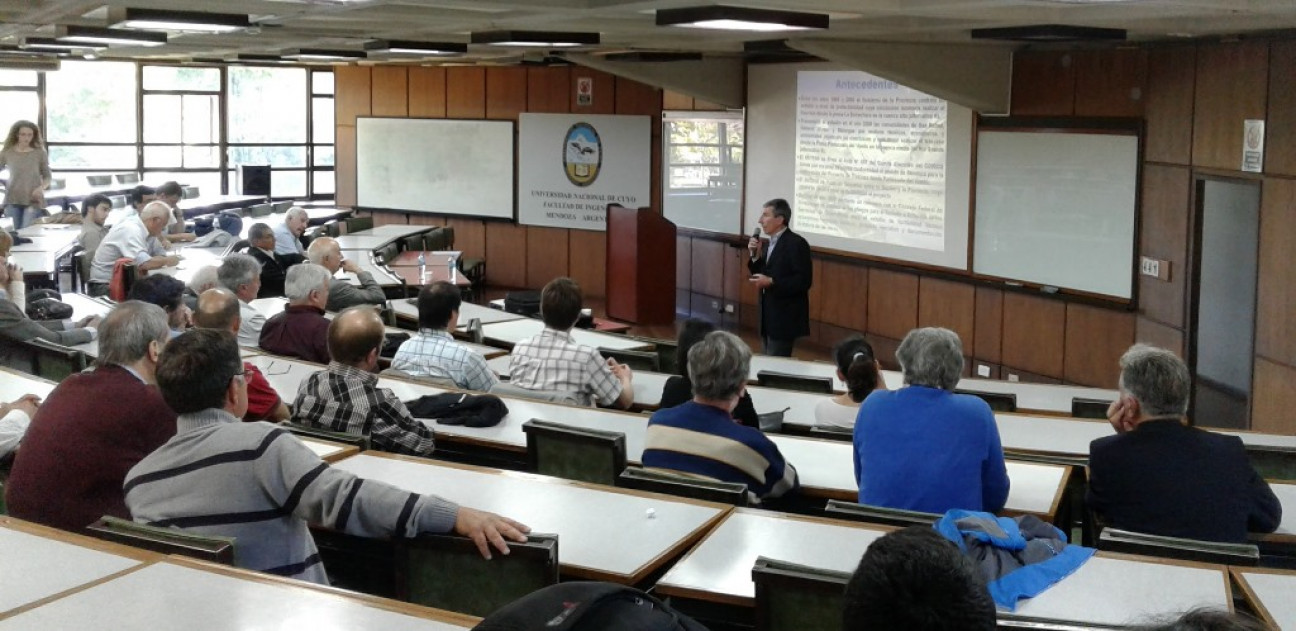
pixel 629 24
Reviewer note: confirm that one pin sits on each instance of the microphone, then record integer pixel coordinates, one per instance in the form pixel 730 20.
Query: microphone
pixel 756 233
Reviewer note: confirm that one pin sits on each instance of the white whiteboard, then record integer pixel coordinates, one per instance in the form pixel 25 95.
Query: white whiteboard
pixel 1057 209
pixel 456 167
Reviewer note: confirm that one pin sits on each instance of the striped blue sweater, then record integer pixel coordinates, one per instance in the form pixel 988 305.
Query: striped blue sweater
pixel 257 483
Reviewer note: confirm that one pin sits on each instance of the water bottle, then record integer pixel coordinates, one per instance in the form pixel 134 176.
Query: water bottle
pixel 422 269
pixel 454 269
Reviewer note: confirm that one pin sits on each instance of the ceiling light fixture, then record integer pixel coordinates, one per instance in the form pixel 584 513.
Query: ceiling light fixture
pixel 322 54
pixel 96 35
pixel 548 39
pixel 741 19
pixel 259 58
pixel 421 49
pixel 46 43
pixel 1050 33
pixel 172 20
pixel 645 56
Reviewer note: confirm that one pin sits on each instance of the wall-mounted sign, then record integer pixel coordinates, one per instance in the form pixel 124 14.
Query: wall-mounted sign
pixel 585 91
pixel 1253 145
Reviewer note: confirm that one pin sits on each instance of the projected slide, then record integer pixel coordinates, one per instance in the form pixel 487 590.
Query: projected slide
pixel 870 160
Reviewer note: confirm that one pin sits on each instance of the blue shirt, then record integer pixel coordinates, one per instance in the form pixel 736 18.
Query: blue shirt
pixel 927 449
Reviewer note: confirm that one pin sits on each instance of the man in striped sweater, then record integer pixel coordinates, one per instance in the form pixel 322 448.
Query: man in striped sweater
pixel 259 484
pixel 700 438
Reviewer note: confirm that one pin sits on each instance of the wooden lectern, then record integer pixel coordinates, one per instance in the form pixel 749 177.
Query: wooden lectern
pixel 640 266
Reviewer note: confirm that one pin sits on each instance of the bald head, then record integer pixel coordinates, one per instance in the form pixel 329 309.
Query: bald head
pixel 325 251
pixel 155 216
pixel 355 336
pixel 217 309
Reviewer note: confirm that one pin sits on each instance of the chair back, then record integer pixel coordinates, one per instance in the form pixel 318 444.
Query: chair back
pixel 412 243
pixel 1116 540
pixel 1089 408
pixel 190 192
pixel 435 240
pixel 448 572
pixel 80 269
pixel 54 361
pixel 879 514
pixel 356 224
pixel 281 207
pixel 362 442
pixel 118 201
pixel 259 210
pixel 998 401
pixel 800 383
pixel 99 180
pixel 841 434
pixel 128 178
pixel 57 183
pixel 387 253
pixel 331 229
pixel 656 481
pixel 1273 462
pixel 636 360
pixel 505 389
pixel 575 453
pixel 164 540
pixel 791 597
pixel 440 382
pixel 474 330
pixel 239 246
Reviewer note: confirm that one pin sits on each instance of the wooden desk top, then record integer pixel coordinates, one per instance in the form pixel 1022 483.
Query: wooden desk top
pixel 392 231
pixel 183 594
pixel 363 241
pixel 329 451
pixel 38 563
pixel 604 533
pixel 408 310
pixel 1269 593
pixel 1286 492
pixel 513 331
pixel 719 568
pixel 192 260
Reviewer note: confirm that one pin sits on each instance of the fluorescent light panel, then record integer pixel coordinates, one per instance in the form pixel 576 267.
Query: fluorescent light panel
pixel 107 36
pixel 405 47
pixel 46 43
pixel 172 20
pixel 323 54
pixel 548 39
pixel 741 19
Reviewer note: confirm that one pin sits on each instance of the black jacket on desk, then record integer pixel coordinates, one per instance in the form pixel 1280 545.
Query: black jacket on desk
pixel 785 305
pixel 274 270
pixel 1164 478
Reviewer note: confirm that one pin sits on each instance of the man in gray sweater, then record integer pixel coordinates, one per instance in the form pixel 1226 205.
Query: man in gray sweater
pixel 257 483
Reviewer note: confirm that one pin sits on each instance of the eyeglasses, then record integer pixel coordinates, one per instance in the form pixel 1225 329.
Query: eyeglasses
pixel 276 368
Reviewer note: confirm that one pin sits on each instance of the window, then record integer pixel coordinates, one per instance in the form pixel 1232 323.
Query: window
pixel 19 98
pixel 703 169
pixel 267 124
pixel 322 131
pixel 182 125
pixel 91 116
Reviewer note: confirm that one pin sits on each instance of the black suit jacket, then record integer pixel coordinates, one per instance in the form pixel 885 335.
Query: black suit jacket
pixel 1164 478
pixel 785 305
pixel 274 269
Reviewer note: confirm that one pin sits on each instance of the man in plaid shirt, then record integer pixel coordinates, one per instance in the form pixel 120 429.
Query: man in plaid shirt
pixel 346 397
pixel 432 352
pixel 553 361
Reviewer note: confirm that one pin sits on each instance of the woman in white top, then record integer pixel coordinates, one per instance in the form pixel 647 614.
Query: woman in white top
pixel 856 366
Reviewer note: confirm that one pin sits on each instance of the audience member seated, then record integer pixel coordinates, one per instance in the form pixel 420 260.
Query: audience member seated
pixel 170 194
pixel 136 238
pixel 15 418
pixel 219 309
pixel 433 351
pixel 924 448
pixel 241 274
pixel 288 235
pixel 16 327
pixel 679 389
pixel 916 580
pixel 141 196
pixel 168 293
pixel 301 330
pixel 700 438
pixel 325 251
pixel 1159 476
pixel 274 269
pixel 346 397
pixel 858 367
pixel 94 212
pixel 94 427
pixel 552 360
pixel 206 277
pixel 257 483
pixel 1208 620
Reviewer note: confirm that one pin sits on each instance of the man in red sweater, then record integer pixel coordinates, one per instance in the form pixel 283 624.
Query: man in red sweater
pixel 94 427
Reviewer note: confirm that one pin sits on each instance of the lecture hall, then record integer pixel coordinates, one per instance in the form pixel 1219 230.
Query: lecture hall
pixel 671 314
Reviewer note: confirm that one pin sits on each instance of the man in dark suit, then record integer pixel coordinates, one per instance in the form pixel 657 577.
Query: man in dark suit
pixel 274 269
pixel 782 273
pixel 1159 476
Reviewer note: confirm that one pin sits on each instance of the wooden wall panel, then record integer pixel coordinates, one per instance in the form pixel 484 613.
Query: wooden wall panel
pixel 470 237
pixel 683 263
pixel 676 101
pixel 1164 235
pixel 344 166
pixel 465 92
pixel 546 255
pixel 1169 104
pixel 427 92
pixel 1033 334
pixel 1280 124
pixel 988 326
pixel 1276 298
pixel 1274 398
pixel 547 89
pixel 1043 83
pixel 506 92
pixel 892 303
pixel 735 274
pixel 506 254
pixel 844 295
pixel 951 305
pixel 708 267
pixel 1231 84
pixel 421 219
pixel 1110 82
pixel 384 218
pixel 816 293
pixel 352 94
pixel 390 95
pixel 604 92
pixel 633 97
pixel 1152 332
pixel 588 261
pixel 1095 340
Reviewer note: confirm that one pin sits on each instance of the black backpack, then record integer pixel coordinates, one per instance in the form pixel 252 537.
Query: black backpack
pixel 524 303
pixel 587 606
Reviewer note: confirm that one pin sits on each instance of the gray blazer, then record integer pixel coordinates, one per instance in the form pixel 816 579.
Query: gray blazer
pixel 343 294
pixel 15 327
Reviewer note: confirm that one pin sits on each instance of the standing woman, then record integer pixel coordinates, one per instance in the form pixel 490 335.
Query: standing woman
pixel 29 173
